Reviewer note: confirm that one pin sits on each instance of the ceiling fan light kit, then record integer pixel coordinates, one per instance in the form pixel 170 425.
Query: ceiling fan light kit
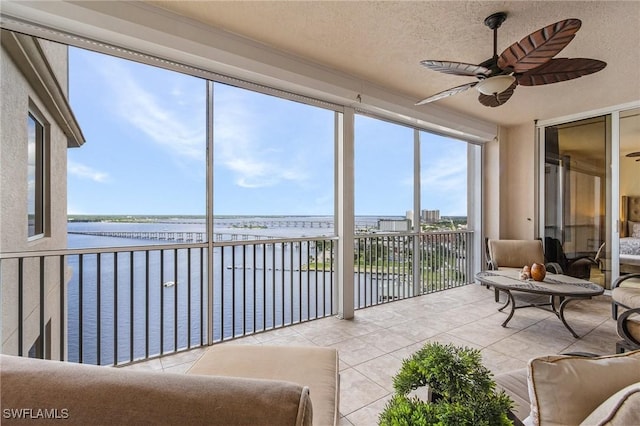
pixel 528 62
pixel 495 85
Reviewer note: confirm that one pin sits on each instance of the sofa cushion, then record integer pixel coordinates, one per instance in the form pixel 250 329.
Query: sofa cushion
pixel 311 366
pixel 85 394
pixel 620 409
pixel 564 390
pixel 514 383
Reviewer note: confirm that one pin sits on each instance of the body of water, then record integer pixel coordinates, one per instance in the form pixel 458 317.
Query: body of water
pixel 133 305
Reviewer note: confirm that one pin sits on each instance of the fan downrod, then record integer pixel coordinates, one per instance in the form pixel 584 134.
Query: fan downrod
pixel 494 21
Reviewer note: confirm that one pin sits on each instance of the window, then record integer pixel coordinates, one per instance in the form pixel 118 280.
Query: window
pixel 143 165
pixel 443 182
pixel 35 176
pixel 383 175
pixel 273 157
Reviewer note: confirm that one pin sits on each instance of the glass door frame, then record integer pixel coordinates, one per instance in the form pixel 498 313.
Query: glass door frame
pixel 613 174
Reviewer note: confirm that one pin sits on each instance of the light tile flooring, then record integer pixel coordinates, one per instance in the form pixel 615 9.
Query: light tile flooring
pixel 373 344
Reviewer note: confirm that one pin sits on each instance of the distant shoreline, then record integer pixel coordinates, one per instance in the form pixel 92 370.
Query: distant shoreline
pixel 182 218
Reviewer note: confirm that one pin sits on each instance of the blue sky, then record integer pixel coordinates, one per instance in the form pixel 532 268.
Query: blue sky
pixel 145 152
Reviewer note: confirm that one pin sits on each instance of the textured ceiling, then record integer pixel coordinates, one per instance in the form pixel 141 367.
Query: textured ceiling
pixel 383 43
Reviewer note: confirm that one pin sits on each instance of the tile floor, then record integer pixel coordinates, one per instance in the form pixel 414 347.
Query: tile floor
pixel 373 344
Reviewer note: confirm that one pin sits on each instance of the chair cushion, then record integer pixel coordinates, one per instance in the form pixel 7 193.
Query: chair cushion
pixel 515 253
pixel 621 409
pixel 628 296
pixel 631 283
pixel 633 327
pixel 564 390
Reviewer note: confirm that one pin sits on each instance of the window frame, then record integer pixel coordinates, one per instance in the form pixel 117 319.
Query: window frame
pixel 41 175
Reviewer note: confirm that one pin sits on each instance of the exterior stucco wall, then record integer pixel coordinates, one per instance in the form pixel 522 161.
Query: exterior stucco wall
pixel 509 184
pixel 519 195
pixel 17 97
pixel 491 189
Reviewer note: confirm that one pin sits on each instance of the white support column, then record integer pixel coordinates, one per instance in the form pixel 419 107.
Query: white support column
pixel 417 252
pixel 344 212
pixel 209 200
pixel 475 260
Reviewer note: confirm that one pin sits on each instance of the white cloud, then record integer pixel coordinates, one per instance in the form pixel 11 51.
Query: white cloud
pixel 86 172
pixel 239 138
pixel 168 127
pixel 446 176
pixel 444 179
pixel 243 144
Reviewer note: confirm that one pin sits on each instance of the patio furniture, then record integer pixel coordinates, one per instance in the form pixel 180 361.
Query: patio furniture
pixel 574 390
pixel 82 394
pixel 564 287
pixel 626 293
pixel 311 366
pixel 579 267
pixel 514 254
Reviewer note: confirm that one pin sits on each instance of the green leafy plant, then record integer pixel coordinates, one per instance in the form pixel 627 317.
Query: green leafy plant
pixel 463 390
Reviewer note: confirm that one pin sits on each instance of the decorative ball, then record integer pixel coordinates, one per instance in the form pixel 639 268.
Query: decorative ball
pixel 538 271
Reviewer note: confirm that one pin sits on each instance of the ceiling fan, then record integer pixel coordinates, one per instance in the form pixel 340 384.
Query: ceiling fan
pixel 528 62
pixel 634 154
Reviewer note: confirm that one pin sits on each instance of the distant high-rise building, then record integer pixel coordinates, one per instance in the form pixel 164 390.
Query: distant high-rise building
pixel 430 216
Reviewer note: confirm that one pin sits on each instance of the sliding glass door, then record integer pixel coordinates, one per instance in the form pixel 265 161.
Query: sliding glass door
pixel 590 194
pixel 576 189
pixel 629 178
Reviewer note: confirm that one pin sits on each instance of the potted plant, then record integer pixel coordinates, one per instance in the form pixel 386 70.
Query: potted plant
pixel 462 390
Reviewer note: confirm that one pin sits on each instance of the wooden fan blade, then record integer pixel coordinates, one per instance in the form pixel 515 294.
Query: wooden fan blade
pixel 498 98
pixel 538 47
pixel 560 69
pixel 447 93
pixel 456 68
pixel 633 154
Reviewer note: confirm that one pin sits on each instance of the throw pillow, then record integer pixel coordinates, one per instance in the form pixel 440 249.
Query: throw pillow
pixel 621 409
pixel 564 390
pixel 634 229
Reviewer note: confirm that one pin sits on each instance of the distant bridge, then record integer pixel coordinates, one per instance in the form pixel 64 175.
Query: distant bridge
pixel 271 223
pixel 189 237
pixel 286 223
